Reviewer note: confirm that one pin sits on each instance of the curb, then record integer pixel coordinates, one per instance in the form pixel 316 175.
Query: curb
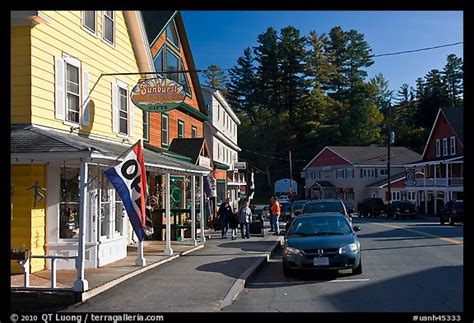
pixel 241 282
pixel 102 288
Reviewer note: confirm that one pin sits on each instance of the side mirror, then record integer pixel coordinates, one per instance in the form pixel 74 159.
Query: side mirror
pixel 356 228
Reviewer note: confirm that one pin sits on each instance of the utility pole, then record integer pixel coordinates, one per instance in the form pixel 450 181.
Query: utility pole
pixel 389 126
pixel 291 174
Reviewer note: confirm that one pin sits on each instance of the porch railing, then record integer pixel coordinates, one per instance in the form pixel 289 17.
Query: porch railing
pixel 439 182
pixel 26 269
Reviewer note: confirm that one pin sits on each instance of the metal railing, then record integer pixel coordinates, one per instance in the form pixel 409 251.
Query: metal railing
pixel 440 182
pixel 26 269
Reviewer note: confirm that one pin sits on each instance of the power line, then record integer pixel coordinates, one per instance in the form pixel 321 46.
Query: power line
pixel 418 50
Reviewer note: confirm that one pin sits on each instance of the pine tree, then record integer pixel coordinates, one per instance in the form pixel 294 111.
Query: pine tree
pixel 215 78
pixel 337 52
pixel 453 79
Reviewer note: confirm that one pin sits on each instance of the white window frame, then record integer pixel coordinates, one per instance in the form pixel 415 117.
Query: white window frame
pixel 104 16
pixel 339 173
pixel 383 172
pixel 445 146
pixel 452 145
pixel 438 148
pixel 86 28
pixel 194 132
pixel 123 86
pixel 168 40
pixel 181 122
pixel 76 63
pixel 349 172
pixel 146 129
pixel 411 195
pixel 165 116
pixel 218 151
pixel 368 173
pixel 396 196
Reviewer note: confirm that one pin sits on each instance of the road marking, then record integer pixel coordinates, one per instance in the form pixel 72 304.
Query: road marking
pixel 453 241
pixel 349 280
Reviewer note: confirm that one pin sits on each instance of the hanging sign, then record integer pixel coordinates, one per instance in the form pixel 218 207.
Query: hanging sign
pixel 157 95
pixel 410 179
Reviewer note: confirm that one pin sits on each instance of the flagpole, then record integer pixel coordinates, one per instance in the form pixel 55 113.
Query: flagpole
pixel 116 160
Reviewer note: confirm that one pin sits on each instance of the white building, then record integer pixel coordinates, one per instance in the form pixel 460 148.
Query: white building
pixel 220 132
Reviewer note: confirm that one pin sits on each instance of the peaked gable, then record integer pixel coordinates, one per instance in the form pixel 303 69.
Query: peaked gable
pixel 327 157
pixel 441 129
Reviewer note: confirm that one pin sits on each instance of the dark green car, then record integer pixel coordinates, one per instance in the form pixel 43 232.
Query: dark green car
pixel 325 242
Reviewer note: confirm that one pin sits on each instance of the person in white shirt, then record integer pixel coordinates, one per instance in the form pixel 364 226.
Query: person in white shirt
pixel 245 218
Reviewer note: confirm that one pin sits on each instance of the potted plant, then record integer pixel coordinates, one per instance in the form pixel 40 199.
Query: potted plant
pixel 19 253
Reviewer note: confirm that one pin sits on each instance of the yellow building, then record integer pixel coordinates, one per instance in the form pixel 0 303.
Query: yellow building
pixel 57 59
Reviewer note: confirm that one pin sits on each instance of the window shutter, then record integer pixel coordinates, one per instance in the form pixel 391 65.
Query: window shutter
pixel 85 100
pixel 375 172
pixel 60 94
pixel 131 111
pixel 115 108
pixel 361 173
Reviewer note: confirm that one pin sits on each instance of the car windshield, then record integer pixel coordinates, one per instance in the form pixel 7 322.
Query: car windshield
pixel 320 225
pixel 323 207
pixel 298 205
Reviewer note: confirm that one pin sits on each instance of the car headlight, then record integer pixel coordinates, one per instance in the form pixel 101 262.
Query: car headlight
pixel 350 248
pixel 291 251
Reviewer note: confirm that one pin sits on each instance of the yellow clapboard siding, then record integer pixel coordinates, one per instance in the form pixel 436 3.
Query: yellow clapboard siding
pixel 20 79
pixel 28 225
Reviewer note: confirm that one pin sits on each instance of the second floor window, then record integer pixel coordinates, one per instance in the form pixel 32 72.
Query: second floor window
pixel 180 129
pixel 445 146
pixel 164 130
pixel 396 196
pixel 349 173
pixel 72 93
pixel 367 172
pixel 383 171
pixel 109 26
pixel 194 132
pixel 146 125
pixel 123 111
pixel 339 173
pixel 453 145
pixel 89 21
pixel 438 148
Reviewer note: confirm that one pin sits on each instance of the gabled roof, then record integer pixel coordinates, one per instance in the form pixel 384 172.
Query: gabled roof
pixel 375 155
pixel 189 147
pixel 155 23
pixel 455 118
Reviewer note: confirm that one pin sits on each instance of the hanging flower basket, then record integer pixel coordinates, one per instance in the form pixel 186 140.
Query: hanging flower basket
pixel 19 254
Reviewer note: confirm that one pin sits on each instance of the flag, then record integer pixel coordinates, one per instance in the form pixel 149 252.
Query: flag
pixel 210 185
pixel 252 187
pixel 129 179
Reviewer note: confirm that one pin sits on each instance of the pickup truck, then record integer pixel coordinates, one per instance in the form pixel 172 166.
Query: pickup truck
pixel 371 207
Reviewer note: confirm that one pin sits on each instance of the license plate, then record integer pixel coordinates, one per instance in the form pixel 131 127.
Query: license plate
pixel 321 261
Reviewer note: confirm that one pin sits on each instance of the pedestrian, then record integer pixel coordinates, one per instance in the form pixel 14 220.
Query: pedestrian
pixel 233 225
pixel 245 218
pixel 224 214
pixel 270 214
pixel 275 212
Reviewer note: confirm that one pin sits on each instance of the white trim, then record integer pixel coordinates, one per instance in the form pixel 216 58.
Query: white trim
pixel 327 147
pixel 85 28
pixel 114 32
pixel 219 135
pixel 445 147
pixel 167 130
pixel 438 148
pixel 452 145
pixel 220 99
pixel 76 63
pixel 431 133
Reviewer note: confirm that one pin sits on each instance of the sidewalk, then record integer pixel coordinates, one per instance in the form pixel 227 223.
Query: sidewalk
pixel 202 281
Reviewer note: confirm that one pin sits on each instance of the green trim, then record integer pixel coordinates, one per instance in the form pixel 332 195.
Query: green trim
pixel 220 165
pixel 167 153
pixel 167 130
pixel 197 114
pixel 220 180
pixel 163 29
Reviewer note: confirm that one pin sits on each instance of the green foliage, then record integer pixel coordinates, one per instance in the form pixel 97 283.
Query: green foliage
pixel 215 78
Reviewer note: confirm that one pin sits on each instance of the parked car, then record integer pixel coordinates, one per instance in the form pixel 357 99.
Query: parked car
pixel 452 212
pixel 283 198
pixel 401 209
pixel 325 206
pixel 297 207
pixel 285 211
pixel 371 207
pixel 324 241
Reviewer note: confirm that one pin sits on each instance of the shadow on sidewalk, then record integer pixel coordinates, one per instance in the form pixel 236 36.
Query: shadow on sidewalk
pixel 233 267
pixel 248 245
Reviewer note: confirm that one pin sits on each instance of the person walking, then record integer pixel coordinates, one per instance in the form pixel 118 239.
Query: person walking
pixel 275 212
pixel 224 214
pixel 233 225
pixel 245 217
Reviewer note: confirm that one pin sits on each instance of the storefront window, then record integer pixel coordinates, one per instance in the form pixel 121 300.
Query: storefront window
pixel 105 206
pixel 220 191
pixel 176 196
pixel 69 203
pixel 119 214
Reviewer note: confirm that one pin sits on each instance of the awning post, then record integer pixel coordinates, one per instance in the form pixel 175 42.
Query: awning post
pixel 168 249
pixel 203 236
pixel 81 284
pixel 193 210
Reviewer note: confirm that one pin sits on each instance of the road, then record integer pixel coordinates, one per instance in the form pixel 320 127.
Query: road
pixel 406 268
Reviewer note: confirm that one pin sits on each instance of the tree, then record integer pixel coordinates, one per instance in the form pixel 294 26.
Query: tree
pixel 318 64
pixel 215 78
pixel 453 79
pixel 403 94
pixel 382 93
pixel 337 52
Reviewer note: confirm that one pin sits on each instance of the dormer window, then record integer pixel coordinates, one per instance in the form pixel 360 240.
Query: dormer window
pixel 167 60
pixel 172 34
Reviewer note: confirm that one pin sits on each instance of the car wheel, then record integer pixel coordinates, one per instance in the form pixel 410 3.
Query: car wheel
pixel 358 269
pixel 451 220
pixel 441 221
pixel 287 271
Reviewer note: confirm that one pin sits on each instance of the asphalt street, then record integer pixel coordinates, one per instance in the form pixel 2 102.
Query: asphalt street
pixel 408 266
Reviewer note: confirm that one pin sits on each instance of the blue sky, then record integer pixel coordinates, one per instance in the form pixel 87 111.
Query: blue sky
pixel 219 37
